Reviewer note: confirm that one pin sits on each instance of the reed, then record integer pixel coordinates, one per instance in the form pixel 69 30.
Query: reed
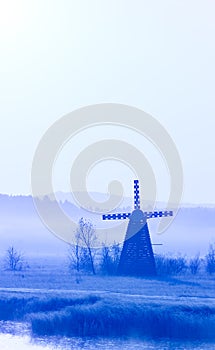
pixel 114 318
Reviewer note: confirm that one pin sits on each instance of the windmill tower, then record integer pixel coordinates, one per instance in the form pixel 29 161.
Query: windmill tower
pixel 137 257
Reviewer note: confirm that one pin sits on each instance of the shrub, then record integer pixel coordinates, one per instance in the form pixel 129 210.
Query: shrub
pixel 210 259
pixel 170 265
pixel 195 264
pixel 110 259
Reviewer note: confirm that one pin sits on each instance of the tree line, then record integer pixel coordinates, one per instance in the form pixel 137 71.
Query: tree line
pixel 82 257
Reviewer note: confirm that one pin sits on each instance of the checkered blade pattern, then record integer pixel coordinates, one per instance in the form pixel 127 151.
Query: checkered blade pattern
pixel 136 194
pixel 157 214
pixel 122 216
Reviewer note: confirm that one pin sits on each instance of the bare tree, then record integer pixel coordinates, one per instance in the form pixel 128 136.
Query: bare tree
pixel 74 255
pixel 195 264
pixel 210 259
pixel 167 265
pixel 116 252
pixel 87 239
pixel 78 259
pixel 13 259
pixel 106 261
pixel 110 258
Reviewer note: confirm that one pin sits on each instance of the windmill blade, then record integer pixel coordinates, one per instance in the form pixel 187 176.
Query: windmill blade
pixel 156 214
pixel 136 195
pixel 122 216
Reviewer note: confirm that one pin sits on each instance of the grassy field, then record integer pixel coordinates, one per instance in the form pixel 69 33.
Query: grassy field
pixel 49 273
pixel 48 297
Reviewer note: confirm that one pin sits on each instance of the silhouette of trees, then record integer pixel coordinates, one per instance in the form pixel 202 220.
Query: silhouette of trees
pixel 110 258
pixel 167 265
pixel 210 259
pixel 13 259
pixel 195 264
pixel 81 251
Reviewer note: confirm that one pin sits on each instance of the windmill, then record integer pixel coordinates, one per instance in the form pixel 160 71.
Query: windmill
pixel 137 257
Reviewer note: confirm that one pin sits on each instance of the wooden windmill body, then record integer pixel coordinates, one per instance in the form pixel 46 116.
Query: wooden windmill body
pixel 137 257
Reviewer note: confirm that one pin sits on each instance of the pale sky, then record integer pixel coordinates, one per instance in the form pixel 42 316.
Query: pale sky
pixel 157 55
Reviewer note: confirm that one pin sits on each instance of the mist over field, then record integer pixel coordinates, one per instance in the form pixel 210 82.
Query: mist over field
pixel 47 298
pixel 191 231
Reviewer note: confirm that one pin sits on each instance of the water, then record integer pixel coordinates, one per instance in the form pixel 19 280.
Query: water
pixel 16 336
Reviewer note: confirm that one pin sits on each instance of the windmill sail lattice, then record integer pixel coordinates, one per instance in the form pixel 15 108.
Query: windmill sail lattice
pixel 137 258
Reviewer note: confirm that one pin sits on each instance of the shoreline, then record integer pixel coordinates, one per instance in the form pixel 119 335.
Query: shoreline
pixel 111 315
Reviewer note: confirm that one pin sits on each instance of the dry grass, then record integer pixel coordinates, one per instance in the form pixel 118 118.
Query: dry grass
pixel 182 307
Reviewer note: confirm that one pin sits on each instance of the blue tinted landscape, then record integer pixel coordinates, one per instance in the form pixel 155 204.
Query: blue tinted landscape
pixel 45 302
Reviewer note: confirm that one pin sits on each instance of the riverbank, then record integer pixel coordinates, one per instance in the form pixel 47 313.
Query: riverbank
pixel 50 300
pixel 111 315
